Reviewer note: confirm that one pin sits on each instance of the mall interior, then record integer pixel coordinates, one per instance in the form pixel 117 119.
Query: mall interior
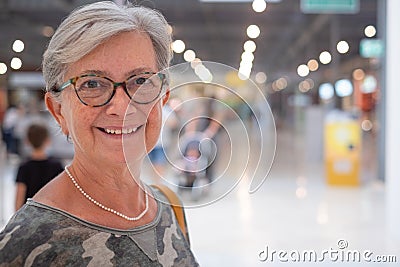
pixel 302 168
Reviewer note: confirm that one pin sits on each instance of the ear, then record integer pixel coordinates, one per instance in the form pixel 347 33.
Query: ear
pixel 55 109
pixel 165 96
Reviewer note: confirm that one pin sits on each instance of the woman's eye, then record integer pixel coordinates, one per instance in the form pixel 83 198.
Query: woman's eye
pixel 92 84
pixel 141 80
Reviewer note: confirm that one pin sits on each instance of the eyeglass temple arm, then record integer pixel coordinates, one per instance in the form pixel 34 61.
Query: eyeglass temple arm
pixel 62 87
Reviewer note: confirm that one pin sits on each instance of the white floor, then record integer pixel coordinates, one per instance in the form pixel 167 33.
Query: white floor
pixel 294 211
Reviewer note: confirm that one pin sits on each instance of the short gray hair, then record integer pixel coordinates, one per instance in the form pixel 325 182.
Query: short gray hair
pixel 90 25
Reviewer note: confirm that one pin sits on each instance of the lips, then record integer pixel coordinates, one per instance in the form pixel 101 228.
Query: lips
pixel 119 131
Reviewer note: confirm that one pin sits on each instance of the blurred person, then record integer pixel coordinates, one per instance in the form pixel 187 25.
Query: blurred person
pixel 105 88
pixel 39 169
pixel 30 114
pixel 11 118
pixel 203 118
pixel 193 166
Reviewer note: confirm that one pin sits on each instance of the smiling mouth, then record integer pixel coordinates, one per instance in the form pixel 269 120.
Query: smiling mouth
pixel 120 131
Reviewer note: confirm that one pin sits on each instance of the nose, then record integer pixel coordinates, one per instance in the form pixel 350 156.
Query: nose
pixel 120 104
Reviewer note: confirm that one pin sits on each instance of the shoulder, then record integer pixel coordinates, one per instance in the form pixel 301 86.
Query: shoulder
pixel 56 164
pixel 23 171
pixel 53 161
pixel 40 234
pixel 167 214
pixel 172 247
pixel 169 204
pixel 26 231
pixel 25 164
pixel 32 220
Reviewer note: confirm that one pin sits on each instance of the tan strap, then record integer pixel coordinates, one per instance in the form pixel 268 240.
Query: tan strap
pixel 176 205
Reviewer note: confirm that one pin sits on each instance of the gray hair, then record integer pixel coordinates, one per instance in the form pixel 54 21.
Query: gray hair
pixel 90 25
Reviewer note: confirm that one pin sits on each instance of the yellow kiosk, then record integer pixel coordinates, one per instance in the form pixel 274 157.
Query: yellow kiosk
pixel 342 149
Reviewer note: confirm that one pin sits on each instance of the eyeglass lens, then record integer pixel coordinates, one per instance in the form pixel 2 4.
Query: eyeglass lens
pixel 94 90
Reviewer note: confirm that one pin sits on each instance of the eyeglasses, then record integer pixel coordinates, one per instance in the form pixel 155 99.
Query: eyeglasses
pixel 96 91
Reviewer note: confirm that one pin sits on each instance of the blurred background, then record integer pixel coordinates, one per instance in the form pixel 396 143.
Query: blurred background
pixel 327 70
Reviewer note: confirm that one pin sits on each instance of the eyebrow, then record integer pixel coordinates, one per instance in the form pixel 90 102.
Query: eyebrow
pixel 127 74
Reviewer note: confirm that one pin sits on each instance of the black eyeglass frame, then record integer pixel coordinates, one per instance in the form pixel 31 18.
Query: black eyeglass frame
pixel 73 80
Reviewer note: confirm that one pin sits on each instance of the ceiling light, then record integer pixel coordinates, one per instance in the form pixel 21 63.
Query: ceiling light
pixel 342 47
pixel 18 46
pixel 366 125
pixel 310 82
pixel 312 65
pixel 178 46
pixel 245 70
pixel 369 84
pixel 370 31
pixel 304 86
pixel 3 68
pixel 48 31
pixel 189 55
pixel 303 70
pixel 250 46
pixel 247 56
pixel 16 63
pixel 253 31
pixel 244 74
pixel 281 83
pixel 326 91
pixel 195 62
pixel 259 5
pixel 261 77
pixel 325 57
pixel 343 88
pixel 358 74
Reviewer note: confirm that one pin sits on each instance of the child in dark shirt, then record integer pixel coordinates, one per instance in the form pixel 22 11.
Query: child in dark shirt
pixel 39 169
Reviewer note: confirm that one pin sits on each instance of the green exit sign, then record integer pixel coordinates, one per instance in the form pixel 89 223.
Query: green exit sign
pixel 371 48
pixel 330 6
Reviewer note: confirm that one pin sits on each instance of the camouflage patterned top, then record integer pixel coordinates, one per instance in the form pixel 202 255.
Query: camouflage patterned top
pixel 39 235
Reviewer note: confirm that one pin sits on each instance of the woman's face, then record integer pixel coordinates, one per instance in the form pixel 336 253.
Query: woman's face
pixel 103 133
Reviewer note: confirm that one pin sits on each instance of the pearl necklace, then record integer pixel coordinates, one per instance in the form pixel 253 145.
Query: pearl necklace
pixel 105 207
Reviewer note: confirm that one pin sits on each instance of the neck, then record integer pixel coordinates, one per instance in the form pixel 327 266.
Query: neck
pixel 109 208
pixel 105 207
pixel 38 154
pixel 110 179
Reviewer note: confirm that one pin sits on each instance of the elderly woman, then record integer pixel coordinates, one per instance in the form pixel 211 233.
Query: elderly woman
pixel 105 88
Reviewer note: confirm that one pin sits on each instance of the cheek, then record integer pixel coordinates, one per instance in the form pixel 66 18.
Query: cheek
pixel 153 127
pixel 76 119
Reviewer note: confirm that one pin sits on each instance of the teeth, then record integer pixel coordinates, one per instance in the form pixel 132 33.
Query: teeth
pixel 123 131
